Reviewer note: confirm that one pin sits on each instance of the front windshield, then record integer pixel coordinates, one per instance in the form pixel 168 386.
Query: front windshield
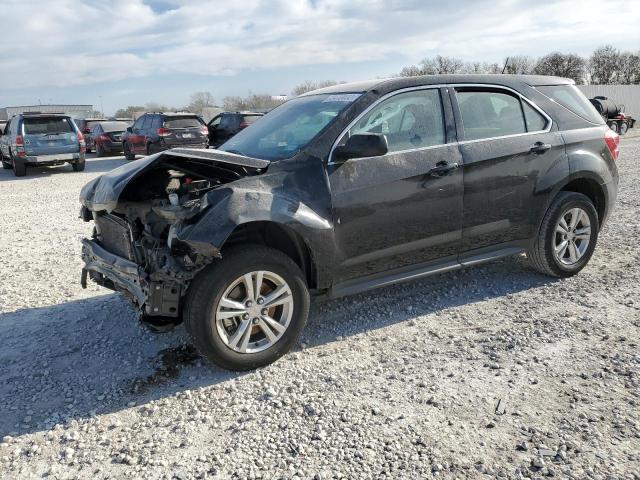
pixel 290 127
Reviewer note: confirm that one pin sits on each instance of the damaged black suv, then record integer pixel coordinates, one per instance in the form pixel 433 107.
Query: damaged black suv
pixel 346 189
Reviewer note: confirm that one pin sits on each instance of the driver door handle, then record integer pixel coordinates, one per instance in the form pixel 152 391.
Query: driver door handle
pixel 443 168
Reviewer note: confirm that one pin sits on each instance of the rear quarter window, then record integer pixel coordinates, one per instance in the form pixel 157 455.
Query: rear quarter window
pixel 570 97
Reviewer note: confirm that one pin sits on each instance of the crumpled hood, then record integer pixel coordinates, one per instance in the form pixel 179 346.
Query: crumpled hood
pixel 102 193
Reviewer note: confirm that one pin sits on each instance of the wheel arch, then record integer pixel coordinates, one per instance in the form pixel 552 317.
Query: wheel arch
pixel 280 237
pixel 592 189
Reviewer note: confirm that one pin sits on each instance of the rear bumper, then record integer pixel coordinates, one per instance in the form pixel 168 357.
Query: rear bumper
pixel 111 146
pixel 167 146
pixel 52 159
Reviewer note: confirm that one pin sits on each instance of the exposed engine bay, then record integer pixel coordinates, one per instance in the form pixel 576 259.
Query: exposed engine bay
pixel 141 231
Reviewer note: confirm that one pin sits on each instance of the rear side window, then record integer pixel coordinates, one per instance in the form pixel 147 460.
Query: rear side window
pixel 251 118
pixel 46 125
pixel 570 97
pixel 409 120
pixel 487 114
pixel 182 122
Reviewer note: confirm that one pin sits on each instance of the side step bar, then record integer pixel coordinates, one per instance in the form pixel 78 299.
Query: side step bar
pixel 391 277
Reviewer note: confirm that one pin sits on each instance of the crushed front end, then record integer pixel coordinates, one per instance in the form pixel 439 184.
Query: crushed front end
pixel 138 213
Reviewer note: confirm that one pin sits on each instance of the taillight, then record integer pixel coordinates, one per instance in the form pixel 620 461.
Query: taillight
pixel 612 139
pixel 243 124
pixel 104 138
pixel 164 132
pixel 83 146
pixel 204 130
pixel 20 146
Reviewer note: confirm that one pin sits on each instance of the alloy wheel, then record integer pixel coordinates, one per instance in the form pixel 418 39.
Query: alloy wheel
pixel 254 312
pixel 572 236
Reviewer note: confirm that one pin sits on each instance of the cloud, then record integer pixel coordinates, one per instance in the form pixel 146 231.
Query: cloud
pixel 74 42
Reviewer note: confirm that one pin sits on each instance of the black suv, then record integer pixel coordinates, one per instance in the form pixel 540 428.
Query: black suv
pixel 346 189
pixel 224 126
pixel 154 132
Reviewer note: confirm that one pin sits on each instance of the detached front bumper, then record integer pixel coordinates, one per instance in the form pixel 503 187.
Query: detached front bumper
pixel 113 272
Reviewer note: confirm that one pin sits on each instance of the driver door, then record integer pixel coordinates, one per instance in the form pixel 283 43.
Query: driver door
pixel 403 208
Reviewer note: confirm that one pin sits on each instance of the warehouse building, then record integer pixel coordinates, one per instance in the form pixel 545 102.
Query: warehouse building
pixel 74 111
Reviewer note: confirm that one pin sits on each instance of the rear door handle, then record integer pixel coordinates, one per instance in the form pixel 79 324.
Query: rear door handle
pixel 443 168
pixel 540 147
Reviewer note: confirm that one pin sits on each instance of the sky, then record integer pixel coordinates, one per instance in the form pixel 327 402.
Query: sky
pixel 114 53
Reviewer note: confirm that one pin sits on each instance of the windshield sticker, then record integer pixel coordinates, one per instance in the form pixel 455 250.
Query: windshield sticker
pixel 344 97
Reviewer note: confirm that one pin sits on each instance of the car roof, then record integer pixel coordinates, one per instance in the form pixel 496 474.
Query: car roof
pixel 391 84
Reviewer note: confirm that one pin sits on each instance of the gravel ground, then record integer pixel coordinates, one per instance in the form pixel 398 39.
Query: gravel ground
pixel 494 371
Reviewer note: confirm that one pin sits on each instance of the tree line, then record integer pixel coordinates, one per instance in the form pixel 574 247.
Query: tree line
pixel 606 65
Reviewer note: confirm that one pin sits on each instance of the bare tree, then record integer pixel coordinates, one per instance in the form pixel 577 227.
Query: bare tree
pixel 520 65
pixel 604 64
pixel 434 66
pixel 129 111
pixel 199 101
pixel 252 102
pixel 629 68
pixel 310 85
pixel 562 65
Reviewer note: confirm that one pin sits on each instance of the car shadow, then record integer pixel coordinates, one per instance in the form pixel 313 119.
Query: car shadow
pixel 91 356
pixel 93 165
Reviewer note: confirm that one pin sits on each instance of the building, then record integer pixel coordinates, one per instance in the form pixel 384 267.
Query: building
pixel 74 111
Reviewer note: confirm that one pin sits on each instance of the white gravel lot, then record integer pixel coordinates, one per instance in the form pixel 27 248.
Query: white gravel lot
pixel 495 371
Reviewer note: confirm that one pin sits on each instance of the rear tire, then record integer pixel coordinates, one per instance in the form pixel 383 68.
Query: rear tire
pixel 126 148
pixel 6 164
pixel 78 166
pixel 559 250
pixel 99 150
pixel 210 325
pixel 19 168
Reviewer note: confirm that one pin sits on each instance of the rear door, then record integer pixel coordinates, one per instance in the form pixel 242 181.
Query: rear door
pixel 507 145
pixel 49 135
pixel 137 139
pixel 184 130
pixel 403 208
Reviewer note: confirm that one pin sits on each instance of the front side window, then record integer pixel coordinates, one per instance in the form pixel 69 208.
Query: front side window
pixel 488 114
pixel 287 129
pixel 410 120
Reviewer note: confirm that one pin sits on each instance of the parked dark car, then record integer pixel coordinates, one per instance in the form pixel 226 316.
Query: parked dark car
pixel 85 125
pixel 155 132
pixel 106 137
pixel 3 124
pixel 41 139
pixel 346 189
pixel 227 124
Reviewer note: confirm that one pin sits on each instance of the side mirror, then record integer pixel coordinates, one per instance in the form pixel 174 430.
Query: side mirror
pixel 129 130
pixel 361 146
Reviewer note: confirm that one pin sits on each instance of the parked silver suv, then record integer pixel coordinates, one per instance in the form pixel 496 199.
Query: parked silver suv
pixel 41 139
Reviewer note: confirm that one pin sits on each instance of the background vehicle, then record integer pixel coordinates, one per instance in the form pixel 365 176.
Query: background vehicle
pixel 613 114
pixel 224 126
pixel 350 188
pixel 106 137
pixel 85 125
pixel 155 132
pixel 41 139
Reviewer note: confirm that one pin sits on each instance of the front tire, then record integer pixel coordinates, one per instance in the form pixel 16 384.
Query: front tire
pixel 128 154
pixel 99 150
pixel 248 309
pixel 567 236
pixel 78 166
